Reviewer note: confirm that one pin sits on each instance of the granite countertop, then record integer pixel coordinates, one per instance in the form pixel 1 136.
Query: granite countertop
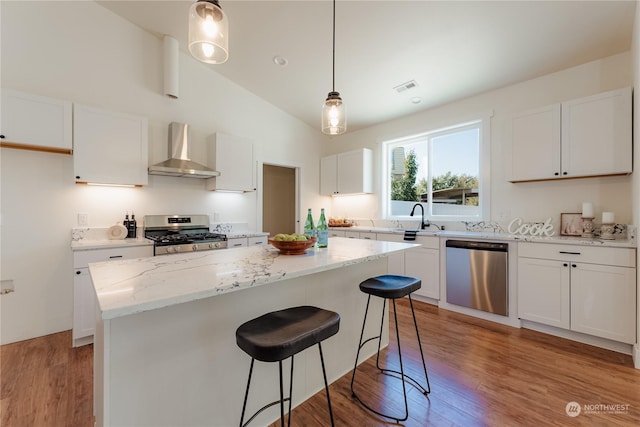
pixel 568 240
pixel 131 286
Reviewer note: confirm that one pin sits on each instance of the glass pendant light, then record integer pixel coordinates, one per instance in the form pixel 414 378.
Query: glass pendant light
pixel 334 118
pixel 208 32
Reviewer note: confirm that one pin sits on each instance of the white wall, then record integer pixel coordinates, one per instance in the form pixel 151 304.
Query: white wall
pixel 529 201
pixel 81 52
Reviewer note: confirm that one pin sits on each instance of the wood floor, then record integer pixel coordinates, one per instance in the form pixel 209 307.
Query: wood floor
pixel 481 374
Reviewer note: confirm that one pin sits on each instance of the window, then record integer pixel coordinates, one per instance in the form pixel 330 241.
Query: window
pixel 444 170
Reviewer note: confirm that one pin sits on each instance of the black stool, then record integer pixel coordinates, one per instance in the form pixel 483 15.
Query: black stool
pixel 275 336
pixel 391 287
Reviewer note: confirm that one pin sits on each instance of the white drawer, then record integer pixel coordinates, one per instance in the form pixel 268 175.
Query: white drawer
pixel 81 259
pixel 260 240
pixel 369 236
pixel 623 257
pixel 431 242
pixel 236 242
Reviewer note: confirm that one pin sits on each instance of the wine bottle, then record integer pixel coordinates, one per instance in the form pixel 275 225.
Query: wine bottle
pixel 132 228
pixel 309 229
pixel 126 222
pixel 323 230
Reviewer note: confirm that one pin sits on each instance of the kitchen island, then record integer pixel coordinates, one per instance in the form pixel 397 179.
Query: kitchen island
pixel 165 351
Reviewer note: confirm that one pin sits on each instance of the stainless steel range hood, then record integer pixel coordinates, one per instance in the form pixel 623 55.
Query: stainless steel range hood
pixel 179 162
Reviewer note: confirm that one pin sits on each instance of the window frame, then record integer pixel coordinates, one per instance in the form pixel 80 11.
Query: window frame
pixel 483 123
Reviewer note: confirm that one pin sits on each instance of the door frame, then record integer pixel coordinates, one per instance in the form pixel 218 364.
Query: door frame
pixel 260 175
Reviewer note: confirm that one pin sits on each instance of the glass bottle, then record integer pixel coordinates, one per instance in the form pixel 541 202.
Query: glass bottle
pixel 309 229
pixel 126 222
pixel 323 231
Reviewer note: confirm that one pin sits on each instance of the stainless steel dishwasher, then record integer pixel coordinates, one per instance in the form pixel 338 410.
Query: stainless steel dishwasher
pixel 477 275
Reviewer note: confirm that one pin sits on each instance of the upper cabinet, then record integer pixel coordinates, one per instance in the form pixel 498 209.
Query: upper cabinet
pixel 585 137
pixel 232 156
pixel 34 122
pixel 109 147
pixel 347 173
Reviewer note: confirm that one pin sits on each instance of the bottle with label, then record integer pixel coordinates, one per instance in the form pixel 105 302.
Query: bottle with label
pixel 132 227
pixel 309 229
pixel 323 231
pixel 126 222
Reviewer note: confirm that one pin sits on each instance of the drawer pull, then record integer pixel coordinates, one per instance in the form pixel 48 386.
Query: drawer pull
pixel 115 256
pixel 570 253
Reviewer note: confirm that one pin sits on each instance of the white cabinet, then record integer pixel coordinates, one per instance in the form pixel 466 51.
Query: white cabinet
pixel 347 173
pixel 232 156
pixel 236 242
pixel 258 240
pixel 239 242
pixel 585 289
pixel 337 233
pixel 84 296
pixel 35 122
pixel 422 262
pixel 109 147
pixel 589 136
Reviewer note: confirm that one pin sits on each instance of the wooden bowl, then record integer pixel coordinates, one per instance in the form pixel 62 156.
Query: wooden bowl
pixel 296 247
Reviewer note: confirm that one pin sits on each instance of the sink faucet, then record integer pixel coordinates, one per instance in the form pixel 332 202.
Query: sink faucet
pixel 423 224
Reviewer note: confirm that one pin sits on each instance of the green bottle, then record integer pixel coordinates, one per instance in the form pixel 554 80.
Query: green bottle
pixel 323 231
pixel 309 229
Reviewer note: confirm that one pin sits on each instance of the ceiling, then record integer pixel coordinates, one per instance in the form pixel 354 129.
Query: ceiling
pixel 451 49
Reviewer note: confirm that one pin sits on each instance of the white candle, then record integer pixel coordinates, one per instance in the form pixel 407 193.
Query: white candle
pixel 608 217
pixel 587 210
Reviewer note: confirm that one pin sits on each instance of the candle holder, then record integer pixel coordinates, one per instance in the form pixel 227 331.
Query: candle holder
pixel 587 227
pixel 606 232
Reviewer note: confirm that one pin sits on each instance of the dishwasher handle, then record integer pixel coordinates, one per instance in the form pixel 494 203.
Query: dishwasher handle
pixel 480 246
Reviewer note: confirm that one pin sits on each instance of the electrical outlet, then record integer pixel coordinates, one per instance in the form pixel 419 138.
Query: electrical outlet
pixel 6 286
pixel 83 219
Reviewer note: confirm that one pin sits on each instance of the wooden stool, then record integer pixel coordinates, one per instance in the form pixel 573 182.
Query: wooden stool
pixel 276 336
pixel 391 287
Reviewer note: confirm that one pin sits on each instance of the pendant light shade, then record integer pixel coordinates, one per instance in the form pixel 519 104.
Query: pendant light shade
pixel 334 118
pixel 208 32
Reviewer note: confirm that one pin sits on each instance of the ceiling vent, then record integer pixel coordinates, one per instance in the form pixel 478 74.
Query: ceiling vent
pixel 406 86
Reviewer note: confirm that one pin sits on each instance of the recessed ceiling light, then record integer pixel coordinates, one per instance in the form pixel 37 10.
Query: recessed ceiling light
pixel 416 100
pixel 279 60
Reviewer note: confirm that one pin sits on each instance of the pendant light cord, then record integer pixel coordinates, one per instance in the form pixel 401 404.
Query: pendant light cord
pixel 334 46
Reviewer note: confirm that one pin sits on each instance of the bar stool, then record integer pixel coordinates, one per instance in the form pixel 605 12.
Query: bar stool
pixel 391 287
pixel 276 336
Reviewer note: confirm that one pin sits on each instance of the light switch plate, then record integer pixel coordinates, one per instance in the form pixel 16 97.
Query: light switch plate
pixel 83 219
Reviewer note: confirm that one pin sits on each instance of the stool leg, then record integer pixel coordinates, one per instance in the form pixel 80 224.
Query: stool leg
pixel 326 383
pixel 384 306
pixel 415 323
pixel 246 394
pixel 290 391
pixel 360 344
pixel 281 394
pixel 404 386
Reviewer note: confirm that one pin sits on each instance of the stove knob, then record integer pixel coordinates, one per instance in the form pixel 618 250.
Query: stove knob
pixel 171 250
pixel 212 245
pixel 177 248
pixel 194 248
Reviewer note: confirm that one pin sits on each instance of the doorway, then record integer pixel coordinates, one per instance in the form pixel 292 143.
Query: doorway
pixel 279 201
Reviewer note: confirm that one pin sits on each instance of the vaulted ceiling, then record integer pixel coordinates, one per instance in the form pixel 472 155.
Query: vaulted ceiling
pixel 451 49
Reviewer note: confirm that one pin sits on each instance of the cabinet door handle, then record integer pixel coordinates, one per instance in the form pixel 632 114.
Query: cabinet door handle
pixel 115 256
pixel 1 136
pixel 564 173
pixel 565 265
pixel 570 253
pixel 556 174
pixel 78 272
pixel 573 265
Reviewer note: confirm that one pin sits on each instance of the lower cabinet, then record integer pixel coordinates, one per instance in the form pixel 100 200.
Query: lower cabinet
pixel 84 296
pixel 583 289
pixel 422 262
pixel 238 242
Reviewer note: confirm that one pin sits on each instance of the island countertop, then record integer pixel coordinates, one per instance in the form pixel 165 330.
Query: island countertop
pixel 137 285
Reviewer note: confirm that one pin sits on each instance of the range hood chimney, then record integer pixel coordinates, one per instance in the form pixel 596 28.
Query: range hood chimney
pixel 179 162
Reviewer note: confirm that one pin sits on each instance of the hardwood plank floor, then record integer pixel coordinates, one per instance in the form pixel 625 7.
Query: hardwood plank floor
pixel 481 374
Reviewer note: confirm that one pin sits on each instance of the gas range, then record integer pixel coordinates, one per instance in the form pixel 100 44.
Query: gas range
pixel 181 233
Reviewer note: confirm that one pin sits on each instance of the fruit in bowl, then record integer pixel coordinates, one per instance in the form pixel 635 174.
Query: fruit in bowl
pixel 292 244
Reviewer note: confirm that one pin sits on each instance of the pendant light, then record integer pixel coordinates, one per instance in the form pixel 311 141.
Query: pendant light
pixel 334 119
pixel 208 32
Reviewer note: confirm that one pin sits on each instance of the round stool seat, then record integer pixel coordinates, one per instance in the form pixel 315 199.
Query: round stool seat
pixel 390 286
pixel 280 334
